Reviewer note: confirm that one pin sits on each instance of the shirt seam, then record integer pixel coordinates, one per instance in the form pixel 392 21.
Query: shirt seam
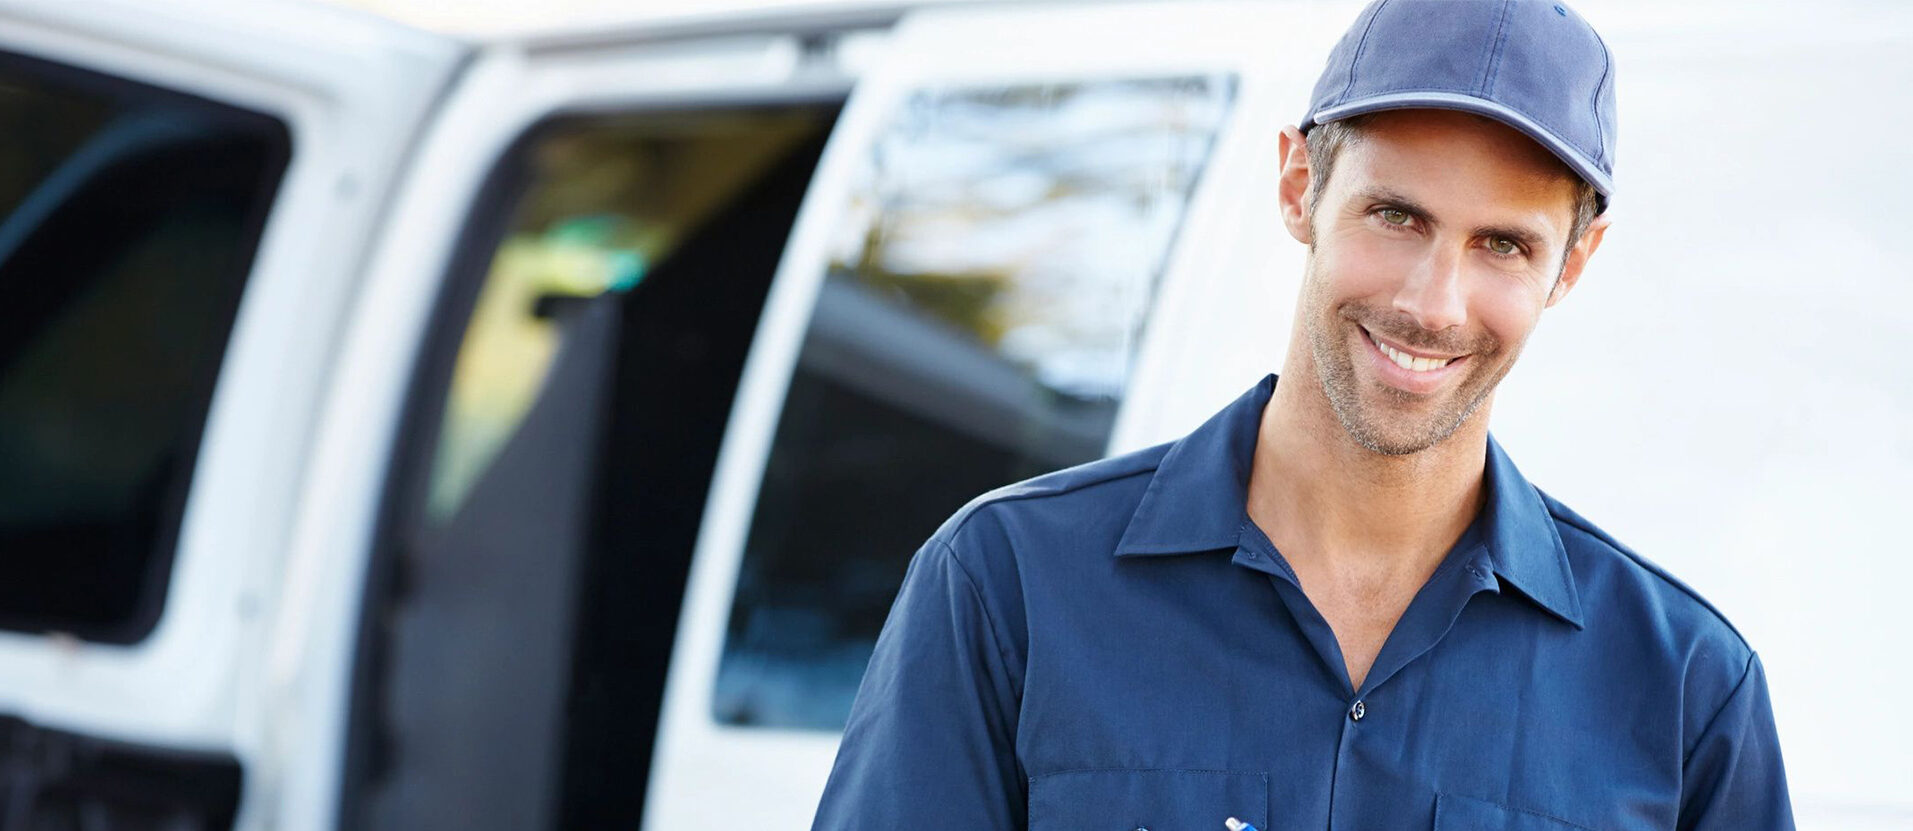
pixel 963 517
pixel 1529 811
pixel 1261 774
pixel 1745 673
pixel 1587 527
pixel 1031 780
pixel 989 622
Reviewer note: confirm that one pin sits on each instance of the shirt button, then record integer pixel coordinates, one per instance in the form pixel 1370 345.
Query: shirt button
pixel 1356 712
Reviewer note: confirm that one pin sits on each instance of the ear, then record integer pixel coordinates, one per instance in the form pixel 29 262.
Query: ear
pixel 1294 187
pixel 1577 258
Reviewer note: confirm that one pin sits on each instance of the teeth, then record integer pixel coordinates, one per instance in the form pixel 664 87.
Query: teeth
pixel 1409 362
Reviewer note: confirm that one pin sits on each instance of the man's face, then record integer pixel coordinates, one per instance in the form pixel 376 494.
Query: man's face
pixel 1433 249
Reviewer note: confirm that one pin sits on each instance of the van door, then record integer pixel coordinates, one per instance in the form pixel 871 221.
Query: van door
pixel 976 284
pixel 528 415
pixel 184 195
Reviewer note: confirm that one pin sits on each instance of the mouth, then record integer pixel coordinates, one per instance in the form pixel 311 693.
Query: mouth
pixel 1408 369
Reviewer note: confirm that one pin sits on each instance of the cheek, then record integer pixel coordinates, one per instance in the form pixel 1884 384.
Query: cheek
pixel 1508 311
pixel 1357 267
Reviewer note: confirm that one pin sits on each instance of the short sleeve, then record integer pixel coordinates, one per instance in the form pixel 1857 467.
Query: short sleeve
pixel 930 743
pixel 1734 780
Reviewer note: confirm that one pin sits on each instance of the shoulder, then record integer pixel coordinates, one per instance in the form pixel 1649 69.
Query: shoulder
pixel 1076 507
pixel 1606 557
pixel 1104 486
pixel 993 542
pixel 1641 609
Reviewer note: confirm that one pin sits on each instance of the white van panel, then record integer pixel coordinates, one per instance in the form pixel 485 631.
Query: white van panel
pixel 503 94
pixel 351 91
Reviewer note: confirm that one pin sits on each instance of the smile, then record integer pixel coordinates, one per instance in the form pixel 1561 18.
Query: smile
pixel 1407 370
pixel 1408 360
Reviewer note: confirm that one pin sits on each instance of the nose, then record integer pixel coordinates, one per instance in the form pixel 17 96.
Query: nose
pixel 1432 294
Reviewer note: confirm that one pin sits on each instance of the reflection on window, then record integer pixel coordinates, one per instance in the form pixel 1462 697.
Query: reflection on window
pixel 603 301
pixel 977 326
pixel 612 198
pixel 128 218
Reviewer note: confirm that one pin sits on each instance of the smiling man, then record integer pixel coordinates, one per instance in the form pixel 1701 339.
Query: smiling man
pixel 1338 604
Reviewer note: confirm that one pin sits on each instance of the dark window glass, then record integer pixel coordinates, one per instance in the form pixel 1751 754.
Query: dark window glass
pixel 563 434
pixel 128 221
pixel 977 326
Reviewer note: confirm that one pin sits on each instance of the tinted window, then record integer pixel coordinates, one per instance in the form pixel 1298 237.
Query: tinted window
pixel 607 203
pixel 564 430
pixel 977 326
pixel 128 219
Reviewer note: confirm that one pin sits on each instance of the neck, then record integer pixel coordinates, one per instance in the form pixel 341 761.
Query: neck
pixel 1331 503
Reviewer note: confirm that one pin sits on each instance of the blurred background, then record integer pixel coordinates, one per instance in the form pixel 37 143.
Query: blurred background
pixel 478 414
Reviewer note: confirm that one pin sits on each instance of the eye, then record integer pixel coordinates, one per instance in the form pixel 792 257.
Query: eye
pixel 1504 246
pixel 1395 216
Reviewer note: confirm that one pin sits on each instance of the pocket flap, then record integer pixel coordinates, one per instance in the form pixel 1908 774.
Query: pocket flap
pixel 1464 813
pixel 1155 799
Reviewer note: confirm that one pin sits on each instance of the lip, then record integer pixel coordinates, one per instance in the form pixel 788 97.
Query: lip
pixel 1420 383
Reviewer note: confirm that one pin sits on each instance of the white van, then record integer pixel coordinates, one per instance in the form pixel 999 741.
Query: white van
pixel 403 431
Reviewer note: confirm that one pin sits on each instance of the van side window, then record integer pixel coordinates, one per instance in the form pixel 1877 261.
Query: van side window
pixel 978 325
pixel 129 217
pixel 563 432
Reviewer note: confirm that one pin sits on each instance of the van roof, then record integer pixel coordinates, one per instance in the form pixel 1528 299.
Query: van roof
pixel 569 24
pixel 586 23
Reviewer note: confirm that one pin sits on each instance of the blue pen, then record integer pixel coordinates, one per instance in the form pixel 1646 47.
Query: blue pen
pixel 1237 825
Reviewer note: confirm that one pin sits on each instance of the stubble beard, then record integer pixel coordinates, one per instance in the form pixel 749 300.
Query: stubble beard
pixel 1371 423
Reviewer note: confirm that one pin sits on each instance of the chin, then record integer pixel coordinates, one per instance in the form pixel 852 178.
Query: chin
pixel 1390 421
pixel 1391 434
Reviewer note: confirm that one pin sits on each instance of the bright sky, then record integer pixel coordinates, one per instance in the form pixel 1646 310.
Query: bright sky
pixel 481 17
pixel 488 16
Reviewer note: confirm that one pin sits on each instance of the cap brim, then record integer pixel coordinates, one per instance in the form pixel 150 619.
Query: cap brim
pixel 1585 167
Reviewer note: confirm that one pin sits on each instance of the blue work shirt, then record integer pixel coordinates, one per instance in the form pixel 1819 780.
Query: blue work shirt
pixel 1116 646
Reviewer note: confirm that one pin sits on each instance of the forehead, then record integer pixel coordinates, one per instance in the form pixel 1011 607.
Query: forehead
pixel 1465 167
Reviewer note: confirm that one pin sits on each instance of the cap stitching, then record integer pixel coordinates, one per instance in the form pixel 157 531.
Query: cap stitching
pixel 1600 135
pixel 1495 51
pixel 1543 123
pixel 1356 59
pixel 1550 124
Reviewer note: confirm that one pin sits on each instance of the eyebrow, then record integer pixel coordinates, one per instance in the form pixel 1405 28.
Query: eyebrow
pixel 1527 238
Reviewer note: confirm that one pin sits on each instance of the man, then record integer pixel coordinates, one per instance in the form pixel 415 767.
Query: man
pixel 1337 604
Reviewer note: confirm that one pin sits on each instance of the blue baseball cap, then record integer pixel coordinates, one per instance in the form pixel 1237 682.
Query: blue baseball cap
pixel 1533 65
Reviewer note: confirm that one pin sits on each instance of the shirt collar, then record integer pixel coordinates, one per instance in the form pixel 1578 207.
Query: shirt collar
pixel 1197 502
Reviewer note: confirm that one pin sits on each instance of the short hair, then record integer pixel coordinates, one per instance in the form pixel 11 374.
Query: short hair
pixel 1325 142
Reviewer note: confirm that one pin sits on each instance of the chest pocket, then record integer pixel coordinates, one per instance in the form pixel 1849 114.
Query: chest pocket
pixel 1461 813
pixel 1155 799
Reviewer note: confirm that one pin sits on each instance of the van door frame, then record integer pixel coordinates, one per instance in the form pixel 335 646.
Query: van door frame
pixel 710 773
pixel 352 91
pixel 509 89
